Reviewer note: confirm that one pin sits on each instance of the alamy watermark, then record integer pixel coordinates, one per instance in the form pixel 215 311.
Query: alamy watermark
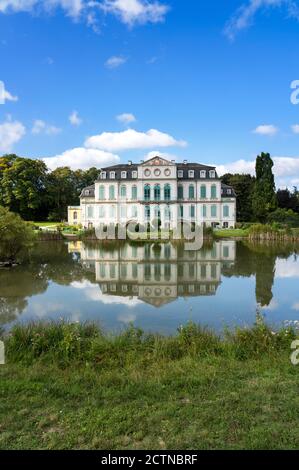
pixel 192 235
pixel 295 93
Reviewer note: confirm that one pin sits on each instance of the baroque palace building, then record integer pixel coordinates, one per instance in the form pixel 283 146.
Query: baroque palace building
pixel 156 189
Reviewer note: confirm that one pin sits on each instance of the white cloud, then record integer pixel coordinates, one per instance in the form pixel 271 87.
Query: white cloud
pixel 286 268
pixel 9 97
pixel 130 12
pixel 10 133
pixel 131 139
pixel 74 119
pixel 285 168
pixel 266 129
pixel 245 14
pixel 133 12
pixel 93 292
pixel 41 127
pixel 126 118
pixel 115 61
pixel 295 128
pixel 157 153
pixel 72 8
pixel 81 158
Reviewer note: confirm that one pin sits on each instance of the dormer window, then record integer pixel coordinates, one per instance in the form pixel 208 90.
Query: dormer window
pixel 134 174
pixel 86 192
pixel 203 174
pixel 229 191
pixel 103 175
pixel 123 175
pixel 191 173
pixel 180 174
pixel 112 175
pixel 212 174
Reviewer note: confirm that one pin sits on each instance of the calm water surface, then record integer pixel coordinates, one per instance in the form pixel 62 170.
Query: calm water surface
pixel 157 287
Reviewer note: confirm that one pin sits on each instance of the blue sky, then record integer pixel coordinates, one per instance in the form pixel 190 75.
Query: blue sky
pixel 88 82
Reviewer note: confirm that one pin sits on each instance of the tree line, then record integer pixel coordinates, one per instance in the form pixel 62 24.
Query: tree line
pixel 257 198
pixel 30 189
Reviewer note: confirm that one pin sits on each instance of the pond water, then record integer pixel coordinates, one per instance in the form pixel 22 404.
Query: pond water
pixel 156 287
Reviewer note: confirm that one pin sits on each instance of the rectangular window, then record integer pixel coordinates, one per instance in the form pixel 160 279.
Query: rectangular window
pixel 192 212
pixel 203 174
pixel 103 175
pixel 182 211
pixel 191 173
pixel 123 174
pixel 101 212
pixel 213 211
pixel 180 174
pixel 134 174
pixel 112 175
pixel 204 211
pixel 212 174
pixel 123 211
pixel 90 212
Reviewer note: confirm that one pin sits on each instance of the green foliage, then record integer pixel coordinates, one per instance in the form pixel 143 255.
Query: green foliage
pixel 284 217
pixel 264 195
pixel 28 188
pixel 16 236
pixel 65 342
pixel 243 186
pixel 22 185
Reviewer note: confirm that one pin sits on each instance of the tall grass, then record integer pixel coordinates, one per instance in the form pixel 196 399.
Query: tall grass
pixel 65 343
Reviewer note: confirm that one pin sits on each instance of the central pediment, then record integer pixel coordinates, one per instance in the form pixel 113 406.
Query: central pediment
pixel 157 161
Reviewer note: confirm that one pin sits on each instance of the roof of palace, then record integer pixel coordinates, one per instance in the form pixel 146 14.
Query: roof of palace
pixel 185 167
pixel 90 189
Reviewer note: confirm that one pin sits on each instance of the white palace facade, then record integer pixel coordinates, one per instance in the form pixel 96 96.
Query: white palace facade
pixel 157 189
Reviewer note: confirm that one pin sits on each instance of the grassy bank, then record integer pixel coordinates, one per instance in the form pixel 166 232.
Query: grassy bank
pixel 70 386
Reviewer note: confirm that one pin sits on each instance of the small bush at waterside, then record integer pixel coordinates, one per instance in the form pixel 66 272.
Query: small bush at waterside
pixel 63 343
pixel 16 236
pixel 284 217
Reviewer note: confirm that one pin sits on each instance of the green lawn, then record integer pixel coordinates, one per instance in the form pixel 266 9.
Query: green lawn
pixel 231 233
pixel 46 224
pixel 66 390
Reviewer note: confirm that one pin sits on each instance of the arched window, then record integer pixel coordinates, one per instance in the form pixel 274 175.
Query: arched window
pixel 167 192
pixel 157 192
pixel 111 192
pixel 214 191
pixel 191 192
pixel 203 191
pixel 147 192
pixel 75 216
pixel 213 211
pixel 180 192
pixel 101 192
pixel 123 191
pixel 134 193
pixel 225 211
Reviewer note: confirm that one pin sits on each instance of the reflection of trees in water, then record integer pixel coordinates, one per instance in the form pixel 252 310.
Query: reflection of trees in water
pixel 48 262
pixel 259 259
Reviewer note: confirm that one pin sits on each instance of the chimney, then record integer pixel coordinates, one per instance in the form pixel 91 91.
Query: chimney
pixel 141 161
pixel 185 162
pixel 130 162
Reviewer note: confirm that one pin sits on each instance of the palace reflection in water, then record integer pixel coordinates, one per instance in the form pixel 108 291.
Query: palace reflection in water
pixel 157 273
pixel 156 286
